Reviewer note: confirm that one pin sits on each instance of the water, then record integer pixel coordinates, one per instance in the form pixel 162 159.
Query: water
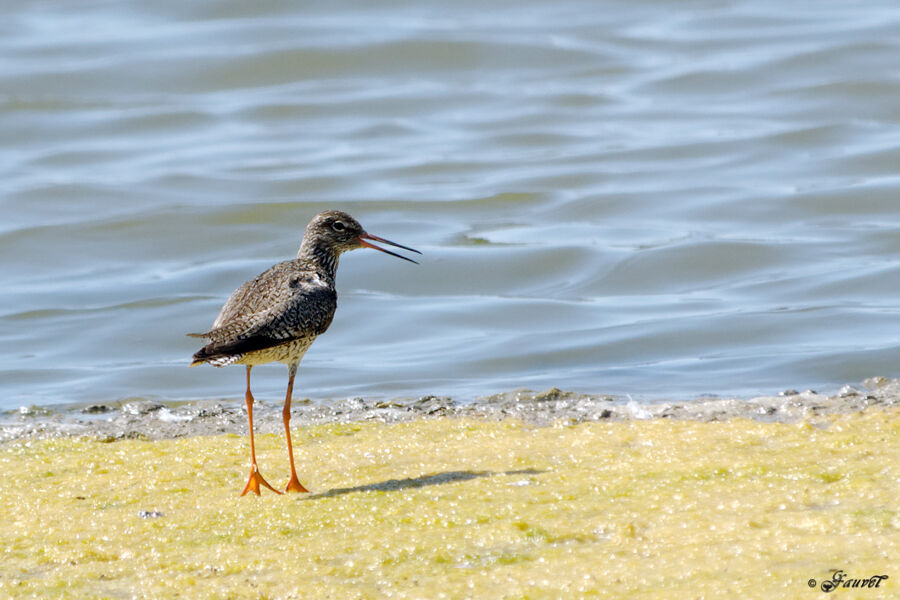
pixel 648 198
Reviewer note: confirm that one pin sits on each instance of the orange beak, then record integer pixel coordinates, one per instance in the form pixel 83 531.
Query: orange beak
pixel 366 236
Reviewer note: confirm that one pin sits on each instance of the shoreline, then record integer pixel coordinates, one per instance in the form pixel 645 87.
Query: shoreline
pixel 150 420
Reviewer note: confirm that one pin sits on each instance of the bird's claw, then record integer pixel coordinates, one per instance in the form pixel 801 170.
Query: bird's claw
pixel 255 481
pixel 294 485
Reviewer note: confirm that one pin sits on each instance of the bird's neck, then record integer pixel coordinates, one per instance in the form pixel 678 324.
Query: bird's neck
pixel 319 256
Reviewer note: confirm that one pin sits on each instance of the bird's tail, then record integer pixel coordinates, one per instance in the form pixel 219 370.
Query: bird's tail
pixel 195 360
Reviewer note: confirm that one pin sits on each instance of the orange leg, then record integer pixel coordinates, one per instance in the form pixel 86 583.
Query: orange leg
pixel 255 478
pixel 294 484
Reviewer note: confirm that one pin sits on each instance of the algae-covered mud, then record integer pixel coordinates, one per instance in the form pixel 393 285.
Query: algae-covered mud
pixel 462 508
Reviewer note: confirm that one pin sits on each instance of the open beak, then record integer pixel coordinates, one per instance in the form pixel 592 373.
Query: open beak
pixel 367 236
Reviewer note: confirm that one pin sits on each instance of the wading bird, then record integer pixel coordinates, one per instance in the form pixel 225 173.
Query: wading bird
pixel 276 316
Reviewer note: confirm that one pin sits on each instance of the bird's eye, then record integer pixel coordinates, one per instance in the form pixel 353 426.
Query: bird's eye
pixel 338 226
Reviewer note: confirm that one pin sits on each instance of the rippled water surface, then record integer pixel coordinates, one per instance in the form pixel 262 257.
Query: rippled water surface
pixel 648 198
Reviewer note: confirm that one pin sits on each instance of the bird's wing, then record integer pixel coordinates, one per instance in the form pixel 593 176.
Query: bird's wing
pixel 237 301
pixel 280 305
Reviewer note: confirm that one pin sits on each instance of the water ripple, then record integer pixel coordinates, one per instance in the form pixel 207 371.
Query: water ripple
pixel 645 199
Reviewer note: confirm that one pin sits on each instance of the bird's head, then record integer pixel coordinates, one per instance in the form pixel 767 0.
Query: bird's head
pixel 340 232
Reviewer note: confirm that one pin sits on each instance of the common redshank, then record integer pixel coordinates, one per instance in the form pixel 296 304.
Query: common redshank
pixel 276 316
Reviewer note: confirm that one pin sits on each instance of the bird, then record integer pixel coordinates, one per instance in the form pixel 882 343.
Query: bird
pixel 276 316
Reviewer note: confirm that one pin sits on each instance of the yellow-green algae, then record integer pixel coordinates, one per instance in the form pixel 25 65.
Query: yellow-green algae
pixel 454 508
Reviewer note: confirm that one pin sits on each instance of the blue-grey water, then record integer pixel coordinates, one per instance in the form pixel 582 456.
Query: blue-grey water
pixel 661 199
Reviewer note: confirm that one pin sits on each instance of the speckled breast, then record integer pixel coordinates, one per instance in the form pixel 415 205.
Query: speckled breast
pixel 289 352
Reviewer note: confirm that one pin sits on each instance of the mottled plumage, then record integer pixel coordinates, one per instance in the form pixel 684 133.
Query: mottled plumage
pixel 276 316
